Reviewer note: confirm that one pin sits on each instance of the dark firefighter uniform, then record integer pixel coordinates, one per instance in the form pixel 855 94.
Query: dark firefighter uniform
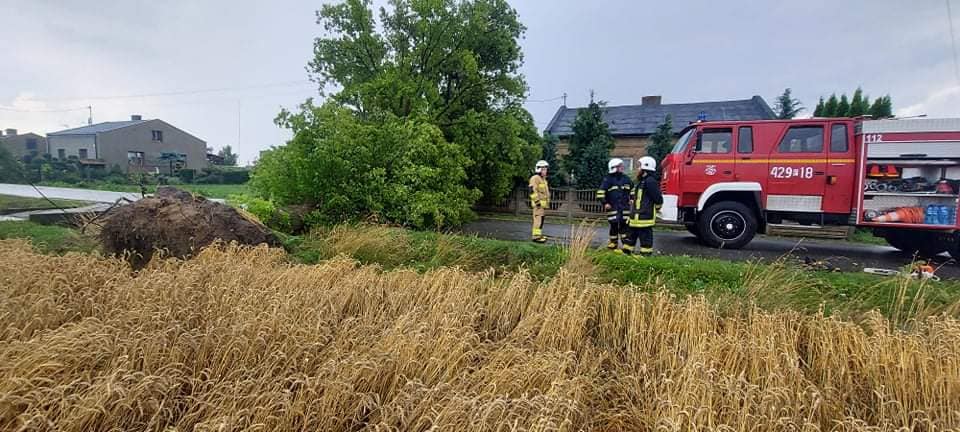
pixel 616 190
pixel 648 200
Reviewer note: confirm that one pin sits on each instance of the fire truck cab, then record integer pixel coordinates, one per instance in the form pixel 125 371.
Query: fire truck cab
pixel 726 181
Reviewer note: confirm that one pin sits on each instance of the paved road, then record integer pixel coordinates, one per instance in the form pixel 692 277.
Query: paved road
pixel 66 193
pixel 847 256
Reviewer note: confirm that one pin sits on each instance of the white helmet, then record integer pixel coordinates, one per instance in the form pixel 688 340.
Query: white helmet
pixel 613 164
pixel 648 163
pixel 541 164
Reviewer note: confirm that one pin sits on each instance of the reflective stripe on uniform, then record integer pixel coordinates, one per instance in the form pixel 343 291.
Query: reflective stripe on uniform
pixel 627 247
pixel 642 223
pixel 645 250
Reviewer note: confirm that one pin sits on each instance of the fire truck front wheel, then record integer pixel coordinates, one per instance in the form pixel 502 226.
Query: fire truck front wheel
pixel 727 225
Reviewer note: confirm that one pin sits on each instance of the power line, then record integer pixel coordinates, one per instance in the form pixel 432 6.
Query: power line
pixel 180 92
pixel 14 109
pixel 545 100
pixel 953 44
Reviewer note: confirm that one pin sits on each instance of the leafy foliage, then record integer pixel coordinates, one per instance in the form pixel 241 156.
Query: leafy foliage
pixel 661 142
pixel 11 171
pixel 590 147
pixel 818 111
pixel 787 107
pixel 229 157
pixel 831 108
pixel 452 64
pixel 400 170
pixel 858 105
pixel 882 107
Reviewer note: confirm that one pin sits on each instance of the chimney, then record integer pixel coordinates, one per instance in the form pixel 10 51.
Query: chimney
pixel 11 132
pixel 136 117
pixel 651 100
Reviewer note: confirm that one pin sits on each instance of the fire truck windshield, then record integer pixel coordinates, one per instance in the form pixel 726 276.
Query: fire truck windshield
pixel 683 141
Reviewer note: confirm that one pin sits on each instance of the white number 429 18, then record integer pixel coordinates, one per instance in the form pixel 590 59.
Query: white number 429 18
pixel 791 172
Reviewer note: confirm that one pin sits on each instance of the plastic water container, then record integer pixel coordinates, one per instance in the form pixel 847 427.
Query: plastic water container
pixel 944 218
pixel 931 215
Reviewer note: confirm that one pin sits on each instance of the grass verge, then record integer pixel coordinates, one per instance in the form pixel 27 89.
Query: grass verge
pixel 48 238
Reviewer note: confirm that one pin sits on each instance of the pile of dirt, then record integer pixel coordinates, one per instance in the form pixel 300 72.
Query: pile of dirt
pixel 178 222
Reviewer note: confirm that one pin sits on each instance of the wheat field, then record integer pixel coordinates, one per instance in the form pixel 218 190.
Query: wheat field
pixel 242 339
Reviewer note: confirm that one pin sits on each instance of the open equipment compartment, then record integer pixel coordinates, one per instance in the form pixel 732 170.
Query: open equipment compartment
pixel 910 179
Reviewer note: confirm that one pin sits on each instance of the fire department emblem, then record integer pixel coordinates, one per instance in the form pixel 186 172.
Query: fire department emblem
pixel 710 170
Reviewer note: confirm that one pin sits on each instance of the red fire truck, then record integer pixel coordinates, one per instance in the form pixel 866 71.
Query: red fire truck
pixel 726 181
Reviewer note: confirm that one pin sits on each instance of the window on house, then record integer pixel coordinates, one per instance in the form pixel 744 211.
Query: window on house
pixel 745 141
pixel 627 164
pixel 31 143
pixel 802 139
pixel 838 138
pixel 157 135
pixel 715 141
pixel 135 158
pixel 83 153
pixel 61 154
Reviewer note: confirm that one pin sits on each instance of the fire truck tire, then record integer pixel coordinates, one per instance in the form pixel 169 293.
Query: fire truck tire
pixel 727 225
pixel 915 243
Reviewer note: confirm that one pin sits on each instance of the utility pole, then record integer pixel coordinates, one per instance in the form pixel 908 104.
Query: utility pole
pixel 238 126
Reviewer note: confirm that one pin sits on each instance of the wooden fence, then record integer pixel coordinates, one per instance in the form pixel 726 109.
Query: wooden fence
pixel 566 203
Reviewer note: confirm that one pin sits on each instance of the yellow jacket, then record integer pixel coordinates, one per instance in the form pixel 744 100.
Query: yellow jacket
pixel 539 192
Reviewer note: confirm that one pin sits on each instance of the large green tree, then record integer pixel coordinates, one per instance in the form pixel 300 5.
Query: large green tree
pixel 590 147
pixel 859 105
pixel 843 107
pixel 452 63
pixel 787 107
pixel 661 142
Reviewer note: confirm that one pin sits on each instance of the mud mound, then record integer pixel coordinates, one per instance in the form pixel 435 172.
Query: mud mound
pixel 179 223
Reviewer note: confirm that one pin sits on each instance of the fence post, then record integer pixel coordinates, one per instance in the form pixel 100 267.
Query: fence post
pixel 571 201
pixel 517 200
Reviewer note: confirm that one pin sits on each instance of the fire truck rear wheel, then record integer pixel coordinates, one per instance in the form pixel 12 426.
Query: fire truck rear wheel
pixel 727 225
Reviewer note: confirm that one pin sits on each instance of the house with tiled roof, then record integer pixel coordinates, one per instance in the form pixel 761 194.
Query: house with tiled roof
pixel 632 125
pixel 134 145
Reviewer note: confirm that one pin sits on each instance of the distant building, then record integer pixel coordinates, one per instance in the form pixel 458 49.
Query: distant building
pixel 632 125
pixel 23 146
pixel 136 145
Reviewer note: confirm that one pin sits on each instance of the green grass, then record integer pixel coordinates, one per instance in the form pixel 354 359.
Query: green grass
pixel 8 202
pixel 862 235
pixel 48 238
pixel 207 190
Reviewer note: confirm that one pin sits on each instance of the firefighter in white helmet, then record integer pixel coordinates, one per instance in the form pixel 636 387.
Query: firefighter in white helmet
pixel 648 199
pixel 539 199
pixel 615 194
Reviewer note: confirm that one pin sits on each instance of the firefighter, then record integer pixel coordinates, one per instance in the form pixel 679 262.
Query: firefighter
pixel 615 193
pixel 648 199
pixel 539 199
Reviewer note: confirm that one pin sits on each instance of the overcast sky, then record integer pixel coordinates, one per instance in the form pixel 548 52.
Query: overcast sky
pixel 221 70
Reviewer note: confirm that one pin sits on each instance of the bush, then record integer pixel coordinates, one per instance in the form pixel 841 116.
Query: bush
pixel 222 175
pixel 187 175
pixel 397 170
pixel 11 171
